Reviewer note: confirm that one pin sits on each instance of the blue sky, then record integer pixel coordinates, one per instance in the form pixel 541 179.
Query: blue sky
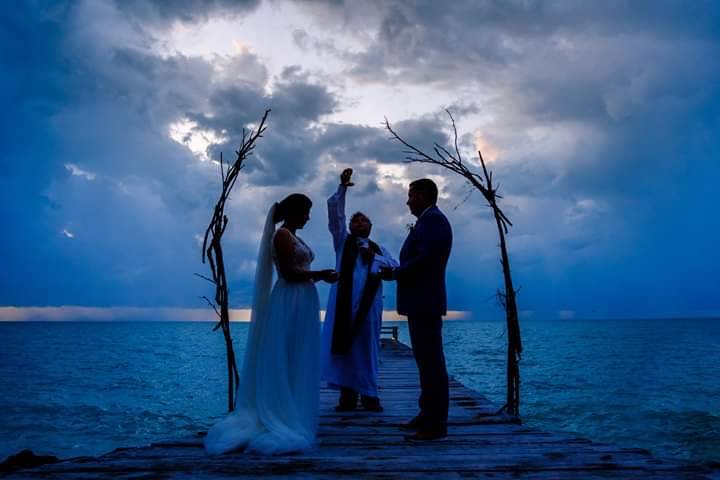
pixel 601 121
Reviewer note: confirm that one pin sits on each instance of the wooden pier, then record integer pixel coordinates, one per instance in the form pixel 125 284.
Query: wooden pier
pixel 370 445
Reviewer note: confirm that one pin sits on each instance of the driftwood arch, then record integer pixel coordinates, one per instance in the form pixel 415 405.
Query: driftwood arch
pixel 212 251
pixel 484 184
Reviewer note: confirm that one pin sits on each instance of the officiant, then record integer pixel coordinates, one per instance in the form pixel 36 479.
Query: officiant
pixel 351 330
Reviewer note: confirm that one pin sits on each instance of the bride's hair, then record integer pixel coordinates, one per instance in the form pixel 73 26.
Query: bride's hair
pixel 293 204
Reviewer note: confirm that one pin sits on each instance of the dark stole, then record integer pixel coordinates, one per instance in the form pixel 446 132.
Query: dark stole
pixel 346 327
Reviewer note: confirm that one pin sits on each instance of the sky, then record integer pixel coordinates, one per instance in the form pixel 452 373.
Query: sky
pixel 600 121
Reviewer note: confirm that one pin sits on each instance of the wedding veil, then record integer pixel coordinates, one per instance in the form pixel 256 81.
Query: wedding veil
pixel 260 305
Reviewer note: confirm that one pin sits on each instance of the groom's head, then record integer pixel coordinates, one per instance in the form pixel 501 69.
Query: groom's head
pixel 360 225
pixel 422 194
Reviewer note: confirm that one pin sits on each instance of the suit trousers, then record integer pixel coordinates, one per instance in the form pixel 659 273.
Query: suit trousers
pixel 427 345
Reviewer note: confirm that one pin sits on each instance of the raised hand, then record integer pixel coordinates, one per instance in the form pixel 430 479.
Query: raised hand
pixel 345 177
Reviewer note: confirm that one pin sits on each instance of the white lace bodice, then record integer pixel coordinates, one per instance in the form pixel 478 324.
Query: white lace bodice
pixel 304 255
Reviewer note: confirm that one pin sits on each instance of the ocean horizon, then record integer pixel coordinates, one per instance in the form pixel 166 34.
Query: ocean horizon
pixel 73 313
pixel 86 387
pixel 78 313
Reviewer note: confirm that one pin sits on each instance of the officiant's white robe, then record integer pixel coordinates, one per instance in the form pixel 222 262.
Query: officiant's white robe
pixel 358 369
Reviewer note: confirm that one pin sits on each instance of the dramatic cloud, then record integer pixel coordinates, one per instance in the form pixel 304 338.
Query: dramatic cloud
pixel 600 122
pixel 167 11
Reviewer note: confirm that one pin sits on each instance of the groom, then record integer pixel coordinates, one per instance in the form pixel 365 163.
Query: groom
pixel 421 296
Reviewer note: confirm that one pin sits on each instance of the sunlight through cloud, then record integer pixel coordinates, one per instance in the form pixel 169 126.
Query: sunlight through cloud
pixel 489 151
pixel 185 132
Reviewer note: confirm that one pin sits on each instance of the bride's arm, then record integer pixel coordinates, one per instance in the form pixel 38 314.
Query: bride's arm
pixel 285 248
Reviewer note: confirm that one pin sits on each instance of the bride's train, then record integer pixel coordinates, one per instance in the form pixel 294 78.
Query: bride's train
pixel 278 399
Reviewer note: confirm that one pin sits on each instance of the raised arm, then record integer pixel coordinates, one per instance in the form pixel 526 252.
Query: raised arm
pixel 337 223
pixel 336 216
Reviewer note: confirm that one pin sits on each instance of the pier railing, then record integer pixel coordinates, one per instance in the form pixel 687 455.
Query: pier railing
pixel 393 331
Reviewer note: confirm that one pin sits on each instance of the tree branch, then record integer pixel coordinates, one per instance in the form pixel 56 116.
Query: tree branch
pixel 212 249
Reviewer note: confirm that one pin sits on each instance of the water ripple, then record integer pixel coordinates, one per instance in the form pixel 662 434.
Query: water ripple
pixel 87 388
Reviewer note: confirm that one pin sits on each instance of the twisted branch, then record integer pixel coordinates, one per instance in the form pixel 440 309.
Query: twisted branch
pixel 213 253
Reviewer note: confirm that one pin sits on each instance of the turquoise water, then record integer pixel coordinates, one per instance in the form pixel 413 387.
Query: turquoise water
pixel 86 388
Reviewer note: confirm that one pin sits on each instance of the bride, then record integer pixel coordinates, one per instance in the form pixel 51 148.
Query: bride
pixel 279 392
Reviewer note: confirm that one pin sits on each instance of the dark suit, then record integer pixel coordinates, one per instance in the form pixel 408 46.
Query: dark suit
pixel 421 295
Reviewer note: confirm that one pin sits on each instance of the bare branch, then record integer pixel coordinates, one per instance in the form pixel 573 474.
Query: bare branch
pixel 212 248
pixel 205 278
pixel 222 174
pixel 457 150
pixel 209 302
pixel 470 192
pixel 440 155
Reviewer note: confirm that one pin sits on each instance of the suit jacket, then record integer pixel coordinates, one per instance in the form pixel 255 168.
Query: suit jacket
pixel 423 261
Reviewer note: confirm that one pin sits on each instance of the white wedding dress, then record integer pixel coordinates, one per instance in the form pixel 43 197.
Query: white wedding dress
pixel 279 392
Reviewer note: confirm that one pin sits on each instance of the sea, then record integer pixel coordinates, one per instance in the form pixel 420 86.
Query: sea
pixel 85 388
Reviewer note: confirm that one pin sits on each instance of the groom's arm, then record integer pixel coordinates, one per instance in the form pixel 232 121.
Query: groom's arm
pixel 336 217
pixel 383 260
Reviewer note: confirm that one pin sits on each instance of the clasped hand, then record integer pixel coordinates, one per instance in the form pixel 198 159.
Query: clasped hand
pixel 328 275
pixel 387 273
